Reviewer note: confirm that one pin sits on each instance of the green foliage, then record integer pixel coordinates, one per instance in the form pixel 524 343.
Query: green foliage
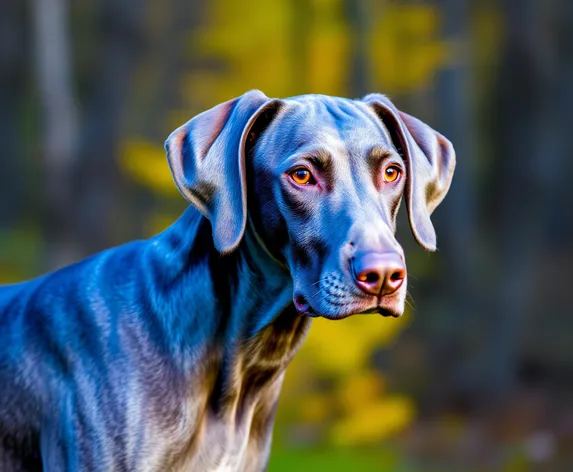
pixel 20 253
pixel 337 460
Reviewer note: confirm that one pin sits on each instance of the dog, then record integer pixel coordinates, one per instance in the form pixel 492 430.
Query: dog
pixel 168 354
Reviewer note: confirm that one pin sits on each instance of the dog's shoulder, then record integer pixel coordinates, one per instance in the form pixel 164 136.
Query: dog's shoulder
pixel 61 307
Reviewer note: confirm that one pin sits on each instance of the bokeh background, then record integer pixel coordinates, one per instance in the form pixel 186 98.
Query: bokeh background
pixel 478 375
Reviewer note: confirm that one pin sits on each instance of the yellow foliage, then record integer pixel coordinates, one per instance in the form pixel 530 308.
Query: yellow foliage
pixel 328 50
pixel 254 44
pixel 351 407
pixel 315 407
pixel 359 389
pixel 406 50
pixel 146 163
pixel 250 39
pixel 158 222
pixel 341 347
pixel 373 421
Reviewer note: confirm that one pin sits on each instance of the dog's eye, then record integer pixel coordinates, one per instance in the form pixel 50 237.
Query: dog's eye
pixel 391 173
pixel 302 176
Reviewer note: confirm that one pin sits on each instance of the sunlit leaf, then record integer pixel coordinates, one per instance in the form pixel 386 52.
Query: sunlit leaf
pixel 146 163
pixel 406 50
pixel 345 345
pixel 372 422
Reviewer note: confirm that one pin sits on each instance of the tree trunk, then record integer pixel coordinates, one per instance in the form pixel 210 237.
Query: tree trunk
pixel 100 198
pixel 12 68
pixel 520 110
pixel 456 219
pixel 59 127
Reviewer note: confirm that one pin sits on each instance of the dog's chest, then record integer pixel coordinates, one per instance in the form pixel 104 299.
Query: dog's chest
pixel 224 423
pixel 231 436
pixel 237 439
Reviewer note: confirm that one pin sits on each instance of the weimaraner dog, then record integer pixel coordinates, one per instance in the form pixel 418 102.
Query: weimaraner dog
pixel 168 354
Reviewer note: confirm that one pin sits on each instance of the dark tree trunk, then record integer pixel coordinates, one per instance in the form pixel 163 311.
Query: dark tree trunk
pixel 59 129
pixel 168 60
pixel 533 154
pixel 456 220
pixel 99 197
pixel 12 84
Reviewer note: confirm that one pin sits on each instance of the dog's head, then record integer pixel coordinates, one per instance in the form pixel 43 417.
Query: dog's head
pixel 321 179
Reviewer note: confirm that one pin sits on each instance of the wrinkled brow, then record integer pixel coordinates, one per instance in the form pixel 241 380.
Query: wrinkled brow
pixel 378 153
pixel 320 158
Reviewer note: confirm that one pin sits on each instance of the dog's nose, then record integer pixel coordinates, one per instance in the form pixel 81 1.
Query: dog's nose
pixel 378 273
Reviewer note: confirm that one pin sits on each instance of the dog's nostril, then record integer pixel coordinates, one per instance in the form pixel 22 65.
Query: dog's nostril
pixel 369 277
pixel 396 276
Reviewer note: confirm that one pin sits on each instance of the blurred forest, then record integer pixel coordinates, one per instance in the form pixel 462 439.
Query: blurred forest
pixel 478 375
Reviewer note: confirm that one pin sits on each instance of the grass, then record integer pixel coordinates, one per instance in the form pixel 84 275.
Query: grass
pixel 336 460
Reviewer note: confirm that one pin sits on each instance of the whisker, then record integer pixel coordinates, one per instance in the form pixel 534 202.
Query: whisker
pixel 323 279
pixel 410 300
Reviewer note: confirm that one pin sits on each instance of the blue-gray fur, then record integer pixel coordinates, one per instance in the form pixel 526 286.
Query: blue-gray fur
pixel 135 323
pixel 169 353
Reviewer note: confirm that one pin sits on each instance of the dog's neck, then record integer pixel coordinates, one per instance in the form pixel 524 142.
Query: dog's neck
pixel 213 302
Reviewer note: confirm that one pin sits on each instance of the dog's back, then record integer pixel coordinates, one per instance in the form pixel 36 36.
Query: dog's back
pixel 58 338
pixel 19 389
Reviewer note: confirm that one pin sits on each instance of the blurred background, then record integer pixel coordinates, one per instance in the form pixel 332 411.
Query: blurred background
pixel 478 375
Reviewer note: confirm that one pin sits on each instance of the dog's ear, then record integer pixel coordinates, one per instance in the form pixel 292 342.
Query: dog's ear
pixel 207 159
pixel 430 159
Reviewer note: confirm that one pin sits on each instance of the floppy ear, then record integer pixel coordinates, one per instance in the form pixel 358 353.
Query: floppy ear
pixel 207 159
pixel 430 159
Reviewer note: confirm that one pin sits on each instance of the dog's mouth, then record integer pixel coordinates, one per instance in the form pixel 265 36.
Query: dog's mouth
pixel 304 308
pixel 302 305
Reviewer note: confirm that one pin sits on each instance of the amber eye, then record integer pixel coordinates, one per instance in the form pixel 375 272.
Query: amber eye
pixel 391 173
pixel 302 176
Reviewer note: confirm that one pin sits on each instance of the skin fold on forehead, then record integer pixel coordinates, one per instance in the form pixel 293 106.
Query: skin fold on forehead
pixel 339 126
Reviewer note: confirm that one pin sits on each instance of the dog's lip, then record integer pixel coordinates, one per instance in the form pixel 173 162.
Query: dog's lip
pixel 304 308
pixel 300 302
pixel 380 310
pixel 376 310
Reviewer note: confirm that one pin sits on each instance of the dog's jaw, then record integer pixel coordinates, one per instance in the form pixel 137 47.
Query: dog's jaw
pixel 385 306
